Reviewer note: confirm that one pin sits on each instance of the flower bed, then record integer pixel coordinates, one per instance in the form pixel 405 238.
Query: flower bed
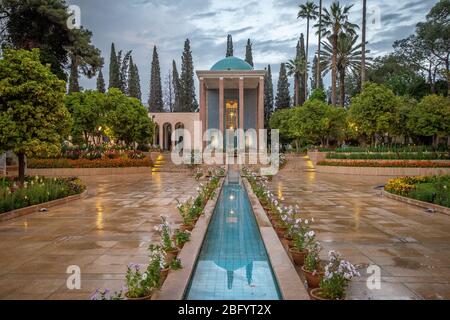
pixel 434 190
pixel 36 191
pixel 85 163
pixel 386 164
pixel 390 156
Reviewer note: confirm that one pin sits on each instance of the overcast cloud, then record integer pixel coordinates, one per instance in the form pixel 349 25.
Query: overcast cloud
pixel 272 26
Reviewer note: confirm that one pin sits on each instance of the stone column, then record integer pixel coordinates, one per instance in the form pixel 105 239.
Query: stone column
pixel 161 137
pixel 241 103
pixel 241 140
pixel 260 112
pixel 221 104
pixel 261 103
pixel 202 107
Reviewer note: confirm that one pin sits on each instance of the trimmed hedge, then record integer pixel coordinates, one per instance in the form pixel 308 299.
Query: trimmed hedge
pixel 390 156
pixel 434 190
pixel 387 164
pixel 85 163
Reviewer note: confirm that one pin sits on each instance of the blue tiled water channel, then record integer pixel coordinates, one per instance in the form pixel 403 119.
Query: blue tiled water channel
pixel 233 262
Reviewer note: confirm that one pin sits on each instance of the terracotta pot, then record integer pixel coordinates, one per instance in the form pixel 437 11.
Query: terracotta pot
pixel 164 274
pixel 171 255
pixel 312 278
pixel 185 227
pixel 275 221
pixel 298 256
pixel 281 231
pixel 140 298
pixel 316 294
pixel 289 241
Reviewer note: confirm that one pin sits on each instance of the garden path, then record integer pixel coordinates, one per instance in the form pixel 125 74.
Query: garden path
pixel 411 247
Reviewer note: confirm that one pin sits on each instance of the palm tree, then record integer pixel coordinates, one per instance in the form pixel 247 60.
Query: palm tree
pixel 334 22
pixel 297 68
pixel 309 12
pixel 363 47
pixel 348 58
pixel 319 33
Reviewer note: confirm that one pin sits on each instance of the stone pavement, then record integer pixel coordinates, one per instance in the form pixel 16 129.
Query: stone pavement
pixel 411 247
pixel 114 225
pixel 101 234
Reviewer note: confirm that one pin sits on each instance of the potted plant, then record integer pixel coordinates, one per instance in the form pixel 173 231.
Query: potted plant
pixel 140 284
pixel 181 237
pixel 158 263
pixel 185 212
pixel 313 269
pixel 338 274
pixel 302 238
pixel 198 174
pixel 168 245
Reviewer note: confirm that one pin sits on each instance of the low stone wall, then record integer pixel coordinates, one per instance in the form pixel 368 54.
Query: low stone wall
pixel 417 203
pixel 177 282
pixel 85 172
pixel 317 157
pixel 33 209
pixel 383 171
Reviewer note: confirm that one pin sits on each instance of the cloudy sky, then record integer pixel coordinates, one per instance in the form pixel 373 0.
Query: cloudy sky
pixel 271 25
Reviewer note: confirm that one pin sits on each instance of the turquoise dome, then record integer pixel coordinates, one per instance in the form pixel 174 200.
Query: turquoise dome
pixel 231 63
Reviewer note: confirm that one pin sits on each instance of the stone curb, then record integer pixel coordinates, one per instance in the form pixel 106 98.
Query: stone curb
pixel 289 282
pixel 83 172
pixel 177 282
pixel 417 203
pixel 36 208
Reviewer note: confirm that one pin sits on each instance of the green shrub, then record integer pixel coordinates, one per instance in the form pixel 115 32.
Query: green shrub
pixel 36 191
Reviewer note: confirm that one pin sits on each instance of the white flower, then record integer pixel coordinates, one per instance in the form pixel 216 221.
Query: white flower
pixel 144 277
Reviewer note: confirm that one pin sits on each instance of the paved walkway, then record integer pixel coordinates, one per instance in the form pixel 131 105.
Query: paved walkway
pixel 100 234
pixel 114 225
pixel 411 246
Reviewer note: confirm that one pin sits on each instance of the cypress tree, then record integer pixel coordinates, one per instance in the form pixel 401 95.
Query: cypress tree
pixel 114 69
pixel 134 87
pixel 155 101
pixel 268 96
pixel 74 85
pixel 301 85
pixel 249 53
pixel 230 50
pixel 314 84
pixel 283 99
pixel 176 87
pixel 187 96
pixel 101 82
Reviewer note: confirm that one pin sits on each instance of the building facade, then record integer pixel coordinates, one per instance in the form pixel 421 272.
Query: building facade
pixel 231 97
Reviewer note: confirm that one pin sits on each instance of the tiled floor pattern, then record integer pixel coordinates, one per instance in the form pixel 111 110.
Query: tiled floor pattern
pixel 100 234
pixel 411 247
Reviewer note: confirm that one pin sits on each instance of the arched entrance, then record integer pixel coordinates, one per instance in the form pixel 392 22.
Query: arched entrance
pixel 167 137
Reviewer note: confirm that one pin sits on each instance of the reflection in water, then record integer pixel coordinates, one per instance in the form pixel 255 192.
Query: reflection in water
pixel 233 263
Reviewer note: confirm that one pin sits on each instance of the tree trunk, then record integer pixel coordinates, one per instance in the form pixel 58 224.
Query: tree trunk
pixel 297 90
pixel 21 157
pixel 363 48
pixel 319 46
pixel 334 72
pixel 306 58
pixel 430 79
pixel 447 67
pixel 342 87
